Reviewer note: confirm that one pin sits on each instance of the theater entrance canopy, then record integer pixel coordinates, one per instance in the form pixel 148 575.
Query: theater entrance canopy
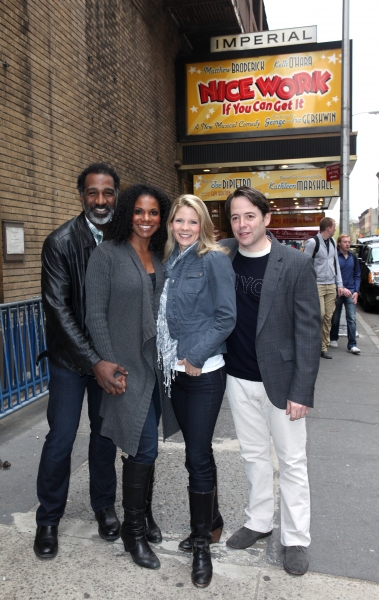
pixel 257 111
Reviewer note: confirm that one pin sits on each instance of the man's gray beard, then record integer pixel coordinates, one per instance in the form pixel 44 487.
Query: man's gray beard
pixel 98 220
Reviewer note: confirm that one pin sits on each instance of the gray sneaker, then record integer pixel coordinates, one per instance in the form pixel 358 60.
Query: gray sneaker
pixel 296 561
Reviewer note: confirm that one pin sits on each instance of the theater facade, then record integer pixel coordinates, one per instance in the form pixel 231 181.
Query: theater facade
pixel 268 117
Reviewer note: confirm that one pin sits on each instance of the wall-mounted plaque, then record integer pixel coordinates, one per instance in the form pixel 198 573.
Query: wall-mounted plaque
pixel 13 241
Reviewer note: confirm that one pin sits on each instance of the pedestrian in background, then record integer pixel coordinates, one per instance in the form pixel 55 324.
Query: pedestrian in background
pixel 351 278
pixel 197 313
pixel 322 248
pixel 123 285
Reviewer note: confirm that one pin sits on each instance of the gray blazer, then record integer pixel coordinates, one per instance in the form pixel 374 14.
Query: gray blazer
pixel 288 341
pixel 122 310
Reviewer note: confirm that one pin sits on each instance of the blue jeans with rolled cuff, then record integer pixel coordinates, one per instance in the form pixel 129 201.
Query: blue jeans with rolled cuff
pixel 66 394
pixel 351 310
pixel 196 401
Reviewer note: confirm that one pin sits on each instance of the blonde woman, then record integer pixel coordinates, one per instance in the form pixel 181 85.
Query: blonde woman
pixel 197 313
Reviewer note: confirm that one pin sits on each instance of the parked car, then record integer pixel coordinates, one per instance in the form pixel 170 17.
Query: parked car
pixel 367 251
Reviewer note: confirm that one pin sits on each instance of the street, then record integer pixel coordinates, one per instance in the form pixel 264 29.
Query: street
pixel 371 318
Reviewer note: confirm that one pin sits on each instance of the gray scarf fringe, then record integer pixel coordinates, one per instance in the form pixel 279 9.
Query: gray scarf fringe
pixel 166 345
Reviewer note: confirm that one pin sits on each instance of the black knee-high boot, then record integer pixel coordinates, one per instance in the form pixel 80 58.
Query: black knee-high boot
pixel 217 524
pixel 135 486
pixel 153 533
pixel 201 509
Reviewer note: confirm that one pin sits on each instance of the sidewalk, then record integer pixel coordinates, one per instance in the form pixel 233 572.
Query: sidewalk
pixel 343 457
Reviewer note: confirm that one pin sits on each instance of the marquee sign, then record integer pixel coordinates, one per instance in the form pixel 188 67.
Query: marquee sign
pixel 294 234
pixel 296 220
pixel 294 183
pixel 294 92
pixel 265 39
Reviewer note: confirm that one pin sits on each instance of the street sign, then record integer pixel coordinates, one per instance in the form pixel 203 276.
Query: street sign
pixel 333 172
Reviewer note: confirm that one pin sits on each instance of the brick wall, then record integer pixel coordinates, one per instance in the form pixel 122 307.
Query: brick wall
pixel 87 80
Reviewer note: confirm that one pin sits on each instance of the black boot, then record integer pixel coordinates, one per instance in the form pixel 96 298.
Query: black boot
pixel 201 508
pixel 153 533
pixel 218 522
pixel 135 487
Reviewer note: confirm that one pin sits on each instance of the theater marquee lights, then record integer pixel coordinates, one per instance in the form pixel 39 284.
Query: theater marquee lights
pixel 259 95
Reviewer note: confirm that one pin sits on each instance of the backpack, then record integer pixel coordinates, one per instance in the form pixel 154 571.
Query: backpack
pixel 317 248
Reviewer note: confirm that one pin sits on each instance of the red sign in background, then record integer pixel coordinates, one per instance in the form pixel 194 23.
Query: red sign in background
pixel 333 172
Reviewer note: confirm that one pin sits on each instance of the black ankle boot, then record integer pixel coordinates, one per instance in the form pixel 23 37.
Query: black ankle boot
pixel 217 524
pixel 135 486
pixel 153 533
pixel 201 508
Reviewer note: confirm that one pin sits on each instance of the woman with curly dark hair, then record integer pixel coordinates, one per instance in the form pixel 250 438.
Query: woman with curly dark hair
pixel 124 282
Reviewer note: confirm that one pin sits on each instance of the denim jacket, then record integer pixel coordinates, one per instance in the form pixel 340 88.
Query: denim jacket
pixel 201 304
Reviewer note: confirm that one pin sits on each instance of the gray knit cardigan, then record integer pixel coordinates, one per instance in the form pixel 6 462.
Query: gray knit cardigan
pixel 122 310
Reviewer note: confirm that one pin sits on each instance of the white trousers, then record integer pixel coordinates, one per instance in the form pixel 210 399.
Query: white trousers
pixel 255 418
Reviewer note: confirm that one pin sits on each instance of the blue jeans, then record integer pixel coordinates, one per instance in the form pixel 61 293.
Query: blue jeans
pixel 350 318
pixel 66 393
pixel 148 445
pixel 196 402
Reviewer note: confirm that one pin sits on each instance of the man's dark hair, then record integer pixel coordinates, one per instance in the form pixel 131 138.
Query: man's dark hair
pixel 99 168
pixel 120 228
pixel 326 222
pixel 251 194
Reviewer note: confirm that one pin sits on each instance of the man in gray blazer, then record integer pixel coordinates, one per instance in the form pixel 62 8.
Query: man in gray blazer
pixel 272 364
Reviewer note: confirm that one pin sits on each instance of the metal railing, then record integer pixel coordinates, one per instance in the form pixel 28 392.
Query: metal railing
pixel 22 340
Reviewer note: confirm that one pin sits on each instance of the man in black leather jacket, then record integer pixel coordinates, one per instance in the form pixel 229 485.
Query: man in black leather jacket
pixel 72 363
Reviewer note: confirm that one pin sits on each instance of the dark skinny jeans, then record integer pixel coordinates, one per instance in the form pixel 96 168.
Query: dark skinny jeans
pixel 148 444
pixel 196 401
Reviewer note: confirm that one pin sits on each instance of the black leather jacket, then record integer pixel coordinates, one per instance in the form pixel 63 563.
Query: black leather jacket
pixel 65 256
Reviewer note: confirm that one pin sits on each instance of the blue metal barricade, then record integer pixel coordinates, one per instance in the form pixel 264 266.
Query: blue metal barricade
pixel 22 340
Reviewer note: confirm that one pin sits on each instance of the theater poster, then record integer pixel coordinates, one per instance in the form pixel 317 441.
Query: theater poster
pixel 258 95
